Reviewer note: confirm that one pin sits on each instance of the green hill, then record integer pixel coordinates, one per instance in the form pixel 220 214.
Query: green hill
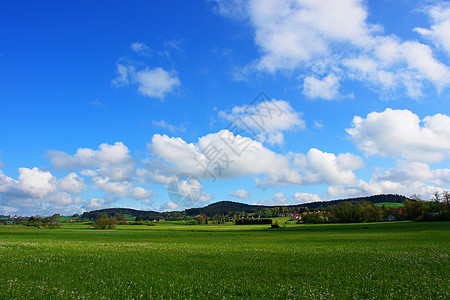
pixel 230 207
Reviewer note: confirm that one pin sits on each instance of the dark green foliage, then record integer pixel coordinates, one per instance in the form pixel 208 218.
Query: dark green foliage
pixel 92 215
pixel 138 218
pixel 315 218
pixel 252 221
pixel 105 222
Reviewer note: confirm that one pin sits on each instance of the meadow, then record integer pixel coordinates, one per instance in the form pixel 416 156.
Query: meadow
pixel 397 260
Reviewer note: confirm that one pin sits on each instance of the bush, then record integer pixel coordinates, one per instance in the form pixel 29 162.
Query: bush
pixel 104 222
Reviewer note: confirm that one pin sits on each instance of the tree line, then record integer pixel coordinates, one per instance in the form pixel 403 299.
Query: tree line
pixel 415 208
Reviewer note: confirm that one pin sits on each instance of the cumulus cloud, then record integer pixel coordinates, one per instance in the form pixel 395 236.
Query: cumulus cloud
pixel 72 183
pixel 326 38
pixel 113 161
pixel 121 188
pixel 37 191
pixel 316 167
pixel 225 155
pixel 265 120
pixel 306 198
pixel 153 83
pixel 438 31
pixel 216 155
pixel 406 171
pixel 278 199
pixel 406 178
pixel 399 133
pixel 188 192
pixel 36 183
pixel 240 193
pixel 327 88
pixel 95 203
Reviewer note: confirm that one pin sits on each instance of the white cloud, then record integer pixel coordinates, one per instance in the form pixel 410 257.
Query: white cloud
pixel 140 48
pixel 95 203
pixel 320 167
pixel 316 167
pixel 114 160
pixel 156 82
pixel 153 83
pixel 438 32
pixel 399 133
pixel 36 191
pixel 306 198
pixel 72 183
pixel 36 183
pixel 239 156
pixel 121 188
pixel 278 199
pixel 292 33
pixel 240 193
pixel 265 120
pixel 322 38
pixel 171 156
pixel 189 191
pixel 327 88
pixel 406 178
pixel 406 172
pixel 141 193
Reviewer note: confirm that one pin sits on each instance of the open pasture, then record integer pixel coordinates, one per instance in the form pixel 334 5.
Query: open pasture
pixel 332 261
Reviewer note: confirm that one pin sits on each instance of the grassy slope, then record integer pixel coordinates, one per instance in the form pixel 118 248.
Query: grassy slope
pixel 398 259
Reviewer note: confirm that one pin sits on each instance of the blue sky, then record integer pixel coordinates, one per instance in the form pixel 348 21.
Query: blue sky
pixel 103 104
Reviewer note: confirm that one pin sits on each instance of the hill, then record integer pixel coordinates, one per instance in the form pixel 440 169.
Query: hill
pixel 230 207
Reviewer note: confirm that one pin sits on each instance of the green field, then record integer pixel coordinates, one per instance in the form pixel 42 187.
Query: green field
pixel 331 261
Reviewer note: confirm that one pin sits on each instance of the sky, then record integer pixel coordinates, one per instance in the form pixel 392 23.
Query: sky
pixel 166 105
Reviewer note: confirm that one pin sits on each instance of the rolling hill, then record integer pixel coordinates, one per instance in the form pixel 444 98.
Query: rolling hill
pixel 230 207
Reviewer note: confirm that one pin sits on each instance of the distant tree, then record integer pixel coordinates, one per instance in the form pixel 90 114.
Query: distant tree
pixel 446 199
pixel 105 222
pixel 371 213
pixel 32 221
pixel 416 208
pixel 138 219
pixel 200 219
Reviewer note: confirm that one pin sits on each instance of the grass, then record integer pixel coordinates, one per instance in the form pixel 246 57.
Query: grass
pixel 171 260
pixel 389 204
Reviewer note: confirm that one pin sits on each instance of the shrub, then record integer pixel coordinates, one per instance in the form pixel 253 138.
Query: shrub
pixel 104 222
